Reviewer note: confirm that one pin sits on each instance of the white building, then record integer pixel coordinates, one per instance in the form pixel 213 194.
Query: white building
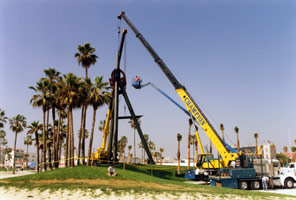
pixel 32 157
pixel 269 151
pixel 19 158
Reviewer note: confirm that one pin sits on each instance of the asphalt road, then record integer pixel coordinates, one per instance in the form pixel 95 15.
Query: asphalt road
pixel 277 190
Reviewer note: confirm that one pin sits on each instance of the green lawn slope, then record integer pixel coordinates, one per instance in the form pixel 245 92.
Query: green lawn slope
pixel 139 178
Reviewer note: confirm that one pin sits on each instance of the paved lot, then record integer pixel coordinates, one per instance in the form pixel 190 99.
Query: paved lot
pixel 275 190
pixel 282 191
pixel 9 174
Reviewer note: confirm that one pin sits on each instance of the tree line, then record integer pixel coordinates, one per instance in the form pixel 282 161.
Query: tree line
pixel 57 96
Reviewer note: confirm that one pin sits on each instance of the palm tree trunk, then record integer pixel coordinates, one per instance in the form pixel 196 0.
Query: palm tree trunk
pixel 14 150
pixel 60 149
pixel 83 136
pixel 91 136
pixel 43 141
pixel 37 145
pixel 211 147
pixel 71 146
pixel 47 135
pixel 72 138
pixel 237 141
pixel 58 141
pixel 134 145
pixel 193 151
pixel 188 148
pixel 256 147
pixel 53 136
pixel 86 72
pixel 80 134
pixel 196 153
pixel 49 156
pixel 67 141
pixel 178 157
pixel 27 159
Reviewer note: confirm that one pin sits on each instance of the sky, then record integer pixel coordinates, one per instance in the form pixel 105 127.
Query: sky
pixel 236 58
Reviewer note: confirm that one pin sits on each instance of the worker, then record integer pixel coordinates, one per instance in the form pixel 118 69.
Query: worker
pixel 137 78
pixel 265 180
pixel 111 170
pixel 197 171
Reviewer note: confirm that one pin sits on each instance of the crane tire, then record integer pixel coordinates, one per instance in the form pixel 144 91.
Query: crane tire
pixel 255 185
pixel 243 185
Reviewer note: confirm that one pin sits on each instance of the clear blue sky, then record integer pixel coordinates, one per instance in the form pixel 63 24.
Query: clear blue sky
pixel 237 58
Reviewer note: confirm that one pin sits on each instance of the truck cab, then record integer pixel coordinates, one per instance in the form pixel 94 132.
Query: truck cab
pixel 288 175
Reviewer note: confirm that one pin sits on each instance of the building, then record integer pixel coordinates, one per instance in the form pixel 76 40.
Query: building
pixel 32 157
pixel 267 150
pixel 291 155
pixel 249 150
pixel 2 155
pixel 19 158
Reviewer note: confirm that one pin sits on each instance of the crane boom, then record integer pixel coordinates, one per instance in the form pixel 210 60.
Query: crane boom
pixel 186 98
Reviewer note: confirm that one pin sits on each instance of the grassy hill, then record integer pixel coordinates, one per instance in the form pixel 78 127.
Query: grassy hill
pixel 134 178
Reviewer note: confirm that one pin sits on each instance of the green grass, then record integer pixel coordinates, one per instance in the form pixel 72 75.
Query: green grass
pixel 163 176
pixel 4 170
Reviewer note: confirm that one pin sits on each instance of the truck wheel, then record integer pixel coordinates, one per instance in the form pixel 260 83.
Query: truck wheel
pixel 289 183
pixel 255 185
pixel 243 185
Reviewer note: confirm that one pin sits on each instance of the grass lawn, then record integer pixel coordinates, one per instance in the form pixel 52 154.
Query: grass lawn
pixel 134 178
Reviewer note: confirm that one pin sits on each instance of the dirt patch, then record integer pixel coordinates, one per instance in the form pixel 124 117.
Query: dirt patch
pixel 114 183
pixel 4 182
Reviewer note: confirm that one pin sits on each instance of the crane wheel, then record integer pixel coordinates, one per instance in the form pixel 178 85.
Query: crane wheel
pixel 255 185
pixel 243 185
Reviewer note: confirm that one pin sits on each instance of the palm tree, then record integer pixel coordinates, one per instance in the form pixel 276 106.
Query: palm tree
pixel 17 125
pixel 53 77
pixel 256 142
pixel 192 142
pixel 98 98
pixel 27 141
pixel 86 57
pixel 236 129
pixel 35 127
pixel 61 105
pixel 41 100
pixel 83 101
pixel 129 153
pixel 285 148
pixel 72 84
pixel 121 146
pixel 133 125
pixel 195 144
pixel 141 145
pixel 161 150
pixel 190 122
pixel 179 138
pixel 3 118
pixel 222 129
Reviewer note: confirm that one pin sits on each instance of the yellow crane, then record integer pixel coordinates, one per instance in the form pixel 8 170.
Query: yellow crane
pixel 205 160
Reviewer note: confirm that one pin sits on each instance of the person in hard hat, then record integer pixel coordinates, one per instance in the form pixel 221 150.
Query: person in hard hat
pixel 111 170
